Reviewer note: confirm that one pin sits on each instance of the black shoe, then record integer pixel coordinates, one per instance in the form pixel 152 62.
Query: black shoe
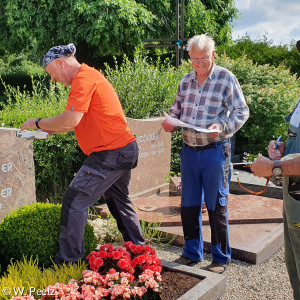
pixel 184 260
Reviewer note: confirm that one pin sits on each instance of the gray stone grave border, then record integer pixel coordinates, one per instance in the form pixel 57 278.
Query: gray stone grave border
pixel 212 286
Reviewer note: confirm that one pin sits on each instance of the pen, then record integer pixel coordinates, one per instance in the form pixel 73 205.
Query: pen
pixel 277 141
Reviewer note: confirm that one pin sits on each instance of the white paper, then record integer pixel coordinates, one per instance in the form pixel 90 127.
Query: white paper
pixel 176 122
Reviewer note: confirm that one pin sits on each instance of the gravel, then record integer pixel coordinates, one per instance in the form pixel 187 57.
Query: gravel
pixel 268 280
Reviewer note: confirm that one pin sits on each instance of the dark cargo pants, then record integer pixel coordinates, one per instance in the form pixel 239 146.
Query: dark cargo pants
pixel 291 225
pixel 107 173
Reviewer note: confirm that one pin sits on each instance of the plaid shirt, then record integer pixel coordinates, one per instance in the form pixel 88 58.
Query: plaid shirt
pixel 219 100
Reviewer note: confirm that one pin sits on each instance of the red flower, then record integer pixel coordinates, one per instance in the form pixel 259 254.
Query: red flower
pixel 92 266
pixel 102 254
pixel 91 254
pixel 135 262
pixel 148 260
pixel 116 255
pixel 126 245
pixel 149 250
pixel 123 264
pixel 142 259
pixel 133 248
pixel 98 262
pixel 139 249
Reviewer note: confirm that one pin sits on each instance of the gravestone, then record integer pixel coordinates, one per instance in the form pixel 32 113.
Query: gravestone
pixel 154 156
pixel 17 180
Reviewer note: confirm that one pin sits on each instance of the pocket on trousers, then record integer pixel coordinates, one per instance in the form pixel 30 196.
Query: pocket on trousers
pixel 111 160
pixel 127 159
pixel 87 180
pixel 222 197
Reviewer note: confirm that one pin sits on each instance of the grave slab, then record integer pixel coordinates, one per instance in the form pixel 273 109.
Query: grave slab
pixel 243 209
pixel 17 179
pixel 252 243
pixel 255 223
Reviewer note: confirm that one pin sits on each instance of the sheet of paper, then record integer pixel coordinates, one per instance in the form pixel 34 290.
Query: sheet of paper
pixel 176 122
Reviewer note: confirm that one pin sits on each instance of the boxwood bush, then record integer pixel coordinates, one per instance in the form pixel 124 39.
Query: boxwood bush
pixel 33 231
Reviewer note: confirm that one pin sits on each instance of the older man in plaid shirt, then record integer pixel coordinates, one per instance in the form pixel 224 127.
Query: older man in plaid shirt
pixel 209 97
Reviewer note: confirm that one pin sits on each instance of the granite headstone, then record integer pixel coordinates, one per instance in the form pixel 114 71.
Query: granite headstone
pixel 17 179
pixel 154 155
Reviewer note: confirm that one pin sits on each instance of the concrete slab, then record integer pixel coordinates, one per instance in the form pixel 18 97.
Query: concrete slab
pixel 212 286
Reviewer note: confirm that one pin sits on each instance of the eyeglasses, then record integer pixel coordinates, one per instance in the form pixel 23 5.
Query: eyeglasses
pixel 202 60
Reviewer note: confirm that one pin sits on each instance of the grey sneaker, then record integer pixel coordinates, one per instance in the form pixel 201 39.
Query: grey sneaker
pixel 216 267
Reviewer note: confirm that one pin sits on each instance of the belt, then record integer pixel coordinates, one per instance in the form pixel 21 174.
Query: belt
pixel 209 146
pixel 291 134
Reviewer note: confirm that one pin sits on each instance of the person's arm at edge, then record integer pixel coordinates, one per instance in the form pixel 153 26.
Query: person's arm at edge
pixel 63 122
pixel 263 167
pixel 291 167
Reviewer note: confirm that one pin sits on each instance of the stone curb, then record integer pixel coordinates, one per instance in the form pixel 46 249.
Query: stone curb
pixel 212 285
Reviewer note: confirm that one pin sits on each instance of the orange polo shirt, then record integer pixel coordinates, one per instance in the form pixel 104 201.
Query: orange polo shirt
pixel 103 125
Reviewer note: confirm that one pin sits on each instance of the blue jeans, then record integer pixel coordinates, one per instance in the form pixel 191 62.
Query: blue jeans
pixel 205 177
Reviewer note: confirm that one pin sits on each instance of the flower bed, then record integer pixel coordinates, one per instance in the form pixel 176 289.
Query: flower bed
pixel 114 273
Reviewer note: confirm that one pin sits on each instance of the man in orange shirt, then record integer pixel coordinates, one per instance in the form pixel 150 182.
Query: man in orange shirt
pixel 95 113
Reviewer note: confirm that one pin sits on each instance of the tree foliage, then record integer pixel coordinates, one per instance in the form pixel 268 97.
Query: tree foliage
pixel 263 51
pixel 106 27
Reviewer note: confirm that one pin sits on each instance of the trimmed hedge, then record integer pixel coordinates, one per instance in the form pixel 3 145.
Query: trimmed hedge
pixel 33 231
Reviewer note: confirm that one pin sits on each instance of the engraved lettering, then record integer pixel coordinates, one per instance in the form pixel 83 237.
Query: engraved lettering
pixel 6 192
pixel 7 167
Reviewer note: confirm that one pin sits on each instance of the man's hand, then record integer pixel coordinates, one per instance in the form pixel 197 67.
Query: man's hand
pixel 262 167
pixel 168 127
pixel 214 134
pixel 29 124
pixel 276 153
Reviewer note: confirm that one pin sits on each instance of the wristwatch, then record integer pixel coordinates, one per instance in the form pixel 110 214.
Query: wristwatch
pixel 277 169
pixel 37 123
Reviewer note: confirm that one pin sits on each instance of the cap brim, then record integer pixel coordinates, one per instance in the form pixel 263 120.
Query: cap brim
pixel 298 46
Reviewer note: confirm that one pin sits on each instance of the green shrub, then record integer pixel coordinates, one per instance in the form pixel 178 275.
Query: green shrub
pixel 33 230
pixel 262 51
pixel 18 71
pixel 271 93
pixel 26 277
pixel 145 88
pixel 43 101
pixel 57 159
